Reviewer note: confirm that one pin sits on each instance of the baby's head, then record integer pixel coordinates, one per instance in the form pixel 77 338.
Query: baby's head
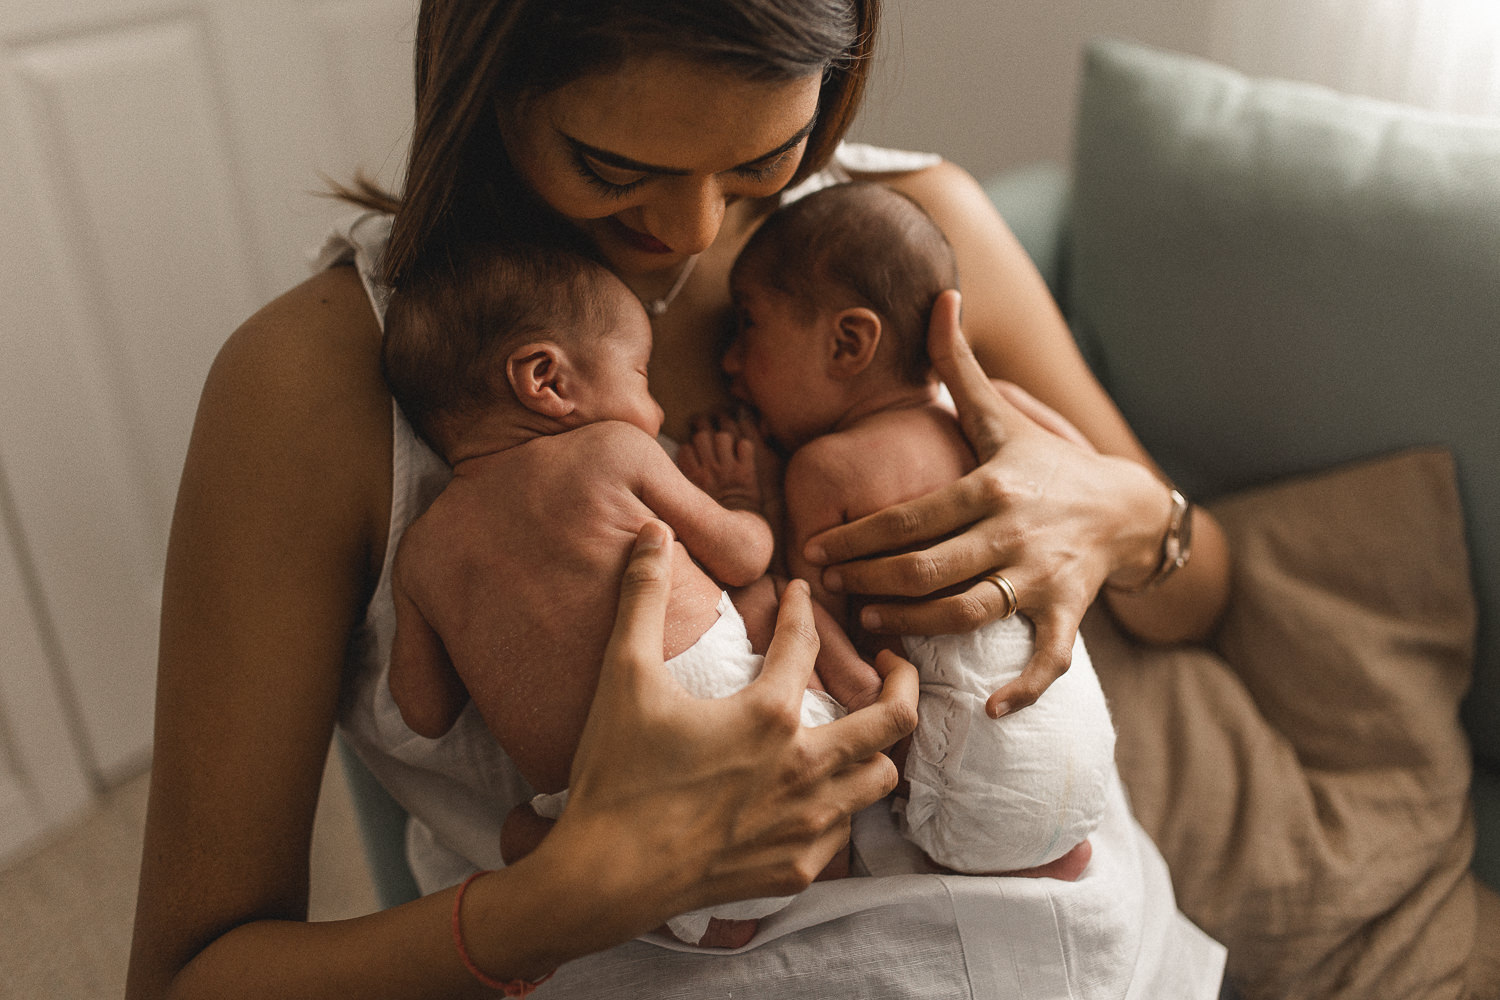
pixel 526 334
pixel 834 294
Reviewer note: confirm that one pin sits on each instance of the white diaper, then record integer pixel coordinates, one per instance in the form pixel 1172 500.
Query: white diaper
pixel 720 663
pixel 992 795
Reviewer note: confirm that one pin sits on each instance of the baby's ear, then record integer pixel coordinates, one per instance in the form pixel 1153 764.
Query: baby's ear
pixel 855 337
pixel 541 376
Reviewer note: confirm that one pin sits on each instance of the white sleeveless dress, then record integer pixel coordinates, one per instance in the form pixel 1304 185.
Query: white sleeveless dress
pixel 1116 932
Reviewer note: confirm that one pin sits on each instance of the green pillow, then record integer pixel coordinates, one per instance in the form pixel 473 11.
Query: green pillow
pixel 1278 278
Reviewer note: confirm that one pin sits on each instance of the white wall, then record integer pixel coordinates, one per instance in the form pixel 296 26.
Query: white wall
pixel 992 83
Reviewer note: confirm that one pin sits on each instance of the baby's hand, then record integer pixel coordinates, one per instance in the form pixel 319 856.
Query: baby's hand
pixel 720 459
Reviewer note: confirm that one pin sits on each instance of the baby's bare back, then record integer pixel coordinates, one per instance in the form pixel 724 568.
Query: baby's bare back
pixel 517 567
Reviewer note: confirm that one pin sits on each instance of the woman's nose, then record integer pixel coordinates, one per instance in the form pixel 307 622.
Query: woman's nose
pixel 689 214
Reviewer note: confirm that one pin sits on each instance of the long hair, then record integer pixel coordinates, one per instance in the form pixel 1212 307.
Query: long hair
pixel 472 55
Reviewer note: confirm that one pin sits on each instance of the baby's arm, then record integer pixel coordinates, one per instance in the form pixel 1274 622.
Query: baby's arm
pixel 815 487
pixel 725 533
pixel 424 684
pixel 814 494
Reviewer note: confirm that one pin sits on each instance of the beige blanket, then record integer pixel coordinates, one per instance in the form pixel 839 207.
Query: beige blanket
pixel 1307 778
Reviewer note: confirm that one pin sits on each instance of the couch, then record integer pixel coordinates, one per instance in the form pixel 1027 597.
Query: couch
pixel 1294 296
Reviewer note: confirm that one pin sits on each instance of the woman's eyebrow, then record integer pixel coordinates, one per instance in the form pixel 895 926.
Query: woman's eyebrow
pixel 607 158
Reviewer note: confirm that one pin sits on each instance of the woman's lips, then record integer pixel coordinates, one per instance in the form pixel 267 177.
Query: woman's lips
pixel 641 241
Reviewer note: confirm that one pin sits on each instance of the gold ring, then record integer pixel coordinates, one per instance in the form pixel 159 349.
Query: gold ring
pixel 1012 603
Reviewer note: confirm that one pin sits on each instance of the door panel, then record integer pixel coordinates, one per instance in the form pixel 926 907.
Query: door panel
pixel 42 780
pixel 157 175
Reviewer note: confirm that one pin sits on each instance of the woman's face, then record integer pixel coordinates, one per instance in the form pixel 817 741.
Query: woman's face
pixel 645 160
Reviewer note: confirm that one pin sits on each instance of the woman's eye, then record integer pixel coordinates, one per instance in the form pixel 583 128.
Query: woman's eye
pixel 767 169
pixel 607 179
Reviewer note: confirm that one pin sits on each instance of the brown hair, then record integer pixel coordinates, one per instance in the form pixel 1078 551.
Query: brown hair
pixel 858 244
pixel 471 54
pixel 450 324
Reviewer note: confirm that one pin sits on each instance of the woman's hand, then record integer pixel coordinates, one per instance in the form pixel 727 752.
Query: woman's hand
pixel 1044 509
pixel 697 802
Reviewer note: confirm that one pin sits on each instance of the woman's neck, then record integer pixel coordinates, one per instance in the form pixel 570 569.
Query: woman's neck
pixel 688 339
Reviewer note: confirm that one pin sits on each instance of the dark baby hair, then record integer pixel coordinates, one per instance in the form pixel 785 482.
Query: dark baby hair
pixel 452 321
pixel 858 244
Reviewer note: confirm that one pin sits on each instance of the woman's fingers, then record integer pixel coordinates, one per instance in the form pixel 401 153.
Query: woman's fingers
pixel 1050 659
pixel 979 407
pixel 923 570
pixel 640 619
pixel 854 740
pixel 793 650
pixel 955 506
pixel 977 605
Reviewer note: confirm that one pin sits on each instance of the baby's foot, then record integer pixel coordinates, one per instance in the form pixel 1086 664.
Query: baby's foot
pixel 1068 868
pixel 728 933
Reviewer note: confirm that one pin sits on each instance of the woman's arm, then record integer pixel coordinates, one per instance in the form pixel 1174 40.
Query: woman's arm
pixel 277 538
pixel 1057 519
pixel 276 542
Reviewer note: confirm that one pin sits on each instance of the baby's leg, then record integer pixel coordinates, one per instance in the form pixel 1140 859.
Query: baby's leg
pixel 757 604
pixel 1067 868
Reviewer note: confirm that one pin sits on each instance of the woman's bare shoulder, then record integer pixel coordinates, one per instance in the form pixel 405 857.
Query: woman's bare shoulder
pixel 297 391
pixel 321 333
pixel 948 192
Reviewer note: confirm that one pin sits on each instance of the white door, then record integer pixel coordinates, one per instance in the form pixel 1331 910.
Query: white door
pixel 42 778
pixel 158 163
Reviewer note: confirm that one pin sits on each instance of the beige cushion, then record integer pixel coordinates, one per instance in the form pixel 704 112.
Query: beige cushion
pixel 1307 779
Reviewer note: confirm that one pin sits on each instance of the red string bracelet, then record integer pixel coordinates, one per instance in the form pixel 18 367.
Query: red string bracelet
pixel 514 988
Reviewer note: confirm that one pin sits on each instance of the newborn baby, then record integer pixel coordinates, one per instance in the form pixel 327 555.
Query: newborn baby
pixel 834 295
pixel 526 371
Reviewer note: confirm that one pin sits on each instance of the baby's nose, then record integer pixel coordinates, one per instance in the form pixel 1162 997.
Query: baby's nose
pixel 734 358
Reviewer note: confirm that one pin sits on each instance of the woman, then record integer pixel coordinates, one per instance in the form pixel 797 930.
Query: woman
pixel 656 134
